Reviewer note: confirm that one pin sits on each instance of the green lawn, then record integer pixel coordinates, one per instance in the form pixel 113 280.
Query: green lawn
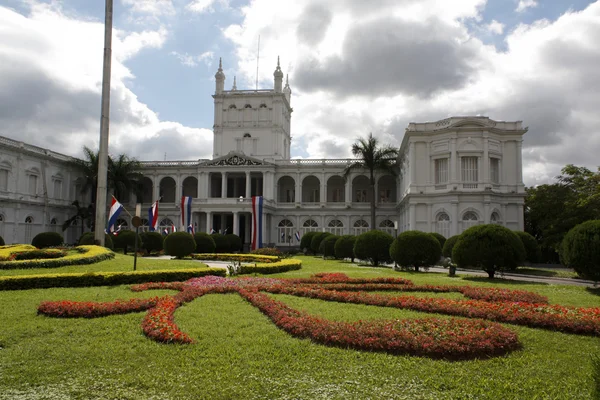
pixel 240 354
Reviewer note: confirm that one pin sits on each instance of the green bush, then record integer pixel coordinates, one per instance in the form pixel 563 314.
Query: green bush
pixel 235 243
pixel 204 243
pixel 328 246
pixel 440 238
pixel 449 245
pixel 490 247
pixel 2 241
pixel 532 250
pixel 344 247
pixel 179 244
pixel 47 239
pixel 373 246
pixel 268 251
pixel 88 238
pixel 221 243
pixel 38 254
pixel 580 250
pixel 315 243
pixel 413 249
pixel 126 240
pixel 151 241
pixel 306 240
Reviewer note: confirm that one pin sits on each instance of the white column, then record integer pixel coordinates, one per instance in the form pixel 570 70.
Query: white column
pixel 520 217
pixel 323 189
pixel 208 221
pixel 155 188
pixel 266 237
pixel 248 179
pixel 413 163
pixel 223 185
pixel 486 212
pixel 503 211
pixel 453 161
pixel 348 191
pixel 430 217
pixel 454 218
pixel 519 162
pixel 376 190
pixel 412 217
pixel 298 189
pixel 178 191
pixel 486 160
pixel 236 223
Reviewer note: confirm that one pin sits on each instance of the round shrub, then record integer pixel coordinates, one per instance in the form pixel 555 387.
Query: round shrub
pixel 440 238
pixel 449 245
pixel 2 241
pixel 88 238
pixel 344 247
pixel 373 246
pixel 179 244
pixel 126 240
pixel 315 243
pixel 580 250
pixel 306 240
pixel 204 243
pixel 235 243
pixel 221 243
pixel 328 246
pixel 47 239
pixel 532 250
pixel 413 249
pixel 151 241
pixel 489 247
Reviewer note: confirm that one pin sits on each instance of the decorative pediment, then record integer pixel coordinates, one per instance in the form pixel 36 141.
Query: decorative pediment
pixel 477 122
pixel 234 159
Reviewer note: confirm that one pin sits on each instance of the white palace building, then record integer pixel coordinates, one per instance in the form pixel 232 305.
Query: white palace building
pixel 454 173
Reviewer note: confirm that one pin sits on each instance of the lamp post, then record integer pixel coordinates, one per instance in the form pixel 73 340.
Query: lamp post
pixel 136 221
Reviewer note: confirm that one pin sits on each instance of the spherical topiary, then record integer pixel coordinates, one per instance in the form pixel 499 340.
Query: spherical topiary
pixel 413 249
pixel 328 246
pixel 344 247
pixel 221 243
pixel 126 240
pixel 88 238
pixel 315 243
pixel 532 250
pixel 580 250
pixel 449 245
pixel 489 247
pixel 235 243
pixel 47 239
pixel 440 238
pixel 204 243
pixel 373 246
pixel 179 244
pixel 151 241
pixel 306 240
pixel 2 241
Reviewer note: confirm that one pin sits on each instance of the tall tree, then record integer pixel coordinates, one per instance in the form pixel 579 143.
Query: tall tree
pixel 85 215
pixel 373 158
pixel 124 175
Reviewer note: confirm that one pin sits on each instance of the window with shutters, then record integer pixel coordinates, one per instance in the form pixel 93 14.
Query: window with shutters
pixel 33 179
pixel 441 171
pixel 469 171
pixel 3 179
pixel 336 227
pixel 495 170
pixel 360 226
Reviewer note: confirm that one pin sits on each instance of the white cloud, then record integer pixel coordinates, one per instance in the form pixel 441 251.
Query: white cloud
pixel 192 61
pixel 205 6
pixel 495 27
pixel 525 4
pixel 154 8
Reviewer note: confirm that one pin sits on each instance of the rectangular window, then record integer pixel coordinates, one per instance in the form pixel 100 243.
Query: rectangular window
pixel 3 179
pixel 441 170
pixel 290 195
pixel 33 184
pixel 58 189
pixel 314 196
pixel 361 196
pixel 385 195
pixel 336 195
pixel 495 170
pixel 469 169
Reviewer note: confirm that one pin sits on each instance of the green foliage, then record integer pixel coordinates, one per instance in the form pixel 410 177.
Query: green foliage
pixel 47 239
pixel 440 238
pixel 306 240
pixel 289 264
pixel 413 249
pixel 449 245
pixel 83 256
pixel 490 247
pixel 179 244
pixel 328 246
pixel 373 246
pixel 235 243
pixel 315 243
pixel 151 241
pixel 532 250
pixel 204 243
pixel 88 238
pixel 126 240
pixel 581 250
pixel 221 243
pixel 344 247
pixel 267 251
pixel 2 241
pixel 38 254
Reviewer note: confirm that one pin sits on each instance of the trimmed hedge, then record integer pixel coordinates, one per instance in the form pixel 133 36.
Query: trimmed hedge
pixel 344 247
pixel 152 241
pixel 235 257
pixel 268 251
pixel 204 243
pixel 235 243
pixel 449 245
pixel 532 250
pixel 263 264
pixel 179 244
pixel 580 250
pixel 2 241
pixel 221 243
pixel 38 254
pixel 315 243
pixel 86 255
pixel 440 238
pixel 88 239
pixel 374 246
pixel 24 282
pixel 47 239
pixel 413 249
pixel 126 240
pixel 328 246
pixel 288 264
pixel 306 240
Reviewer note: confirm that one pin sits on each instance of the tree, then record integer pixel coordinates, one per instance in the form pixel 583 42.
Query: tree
pixel 124 175
pixel 373 158
pixel 85 215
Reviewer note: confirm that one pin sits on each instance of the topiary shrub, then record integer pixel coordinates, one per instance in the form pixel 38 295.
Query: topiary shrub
pixel 151 241
pixel 489 247
pixel 204 243
pixel 580 250
pixel 315 243
pixel 328 246
pixel 306 240
pixel 532 250
pixel 344 247
pixel 235 243
pixel 179 244
pixel 47 239
pixel 440 238
pixel 126 240
pixel 449 245
pixel 2 241
pixel 221 243
pixel 413 249
pixel 88 238
pixel 373 246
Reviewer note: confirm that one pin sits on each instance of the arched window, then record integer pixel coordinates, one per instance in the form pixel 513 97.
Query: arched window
pixel 442 224
pixel 285 231
pixel 28 229
pixel 336 227
pixel 310 225
pixel 145 226
pixel 360 226
pixel 387 226
pixel 469 219
pixel 166 226
pixel 495 218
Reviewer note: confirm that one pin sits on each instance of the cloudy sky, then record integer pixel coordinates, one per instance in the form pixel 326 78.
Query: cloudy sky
pixel 354 66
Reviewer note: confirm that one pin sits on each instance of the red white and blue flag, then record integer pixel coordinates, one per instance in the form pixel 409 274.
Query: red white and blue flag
pixel 186 211
pixel 113 214
pixel 257 227
pixel 297 236
pixel 173 229
pixel 190 229
pixel 153 216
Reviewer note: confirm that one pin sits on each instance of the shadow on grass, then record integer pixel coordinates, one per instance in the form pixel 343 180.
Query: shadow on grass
pixel 593 290
pixel 501 281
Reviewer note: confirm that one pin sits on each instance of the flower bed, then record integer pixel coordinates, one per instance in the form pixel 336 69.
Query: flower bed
pixel 84 255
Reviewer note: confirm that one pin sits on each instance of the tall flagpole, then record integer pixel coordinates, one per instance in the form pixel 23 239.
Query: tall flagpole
pixel 104 122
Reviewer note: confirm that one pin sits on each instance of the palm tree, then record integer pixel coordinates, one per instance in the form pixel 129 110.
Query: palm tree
pixel 124 175
pixel 84 214
pixel 373 158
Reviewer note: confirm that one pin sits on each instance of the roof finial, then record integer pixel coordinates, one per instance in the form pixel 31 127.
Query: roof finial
pixel 220 64
pixel 286 80
pixel 234 84
pixel 277 61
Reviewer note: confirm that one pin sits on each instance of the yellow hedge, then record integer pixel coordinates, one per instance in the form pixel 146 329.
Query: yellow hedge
pixel 88 254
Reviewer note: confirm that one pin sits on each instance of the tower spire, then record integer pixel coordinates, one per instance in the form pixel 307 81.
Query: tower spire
pixel 220 79
pixel 234 87
pixel 278 75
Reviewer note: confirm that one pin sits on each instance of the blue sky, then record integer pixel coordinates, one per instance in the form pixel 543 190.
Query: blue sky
pixel 354 67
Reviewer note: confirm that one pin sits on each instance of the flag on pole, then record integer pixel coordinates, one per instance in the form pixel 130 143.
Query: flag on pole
pixel 117 231
pixel 297 236
pixel 212 231
pixel 257 212
pixel 186 210
pixel 173 229
pixel 153 216
pixel 283 236
pixel 113 214
pixel 165 232
pixel 190 229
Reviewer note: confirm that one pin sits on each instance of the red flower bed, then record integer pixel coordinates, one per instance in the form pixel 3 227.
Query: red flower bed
pixel 90 309
pixel 159 324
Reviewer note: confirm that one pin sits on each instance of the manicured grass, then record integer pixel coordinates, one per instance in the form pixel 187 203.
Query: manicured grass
pixel 550 272
pixel 240 354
